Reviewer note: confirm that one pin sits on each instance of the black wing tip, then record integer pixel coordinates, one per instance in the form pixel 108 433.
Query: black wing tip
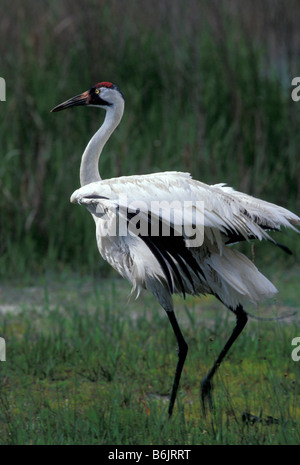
pixel 174 259
pixel 161 260
pixel 284 248
pixel 173 256
pixel 95 197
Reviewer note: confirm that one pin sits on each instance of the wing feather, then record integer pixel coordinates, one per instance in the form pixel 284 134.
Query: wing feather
pixel 229 215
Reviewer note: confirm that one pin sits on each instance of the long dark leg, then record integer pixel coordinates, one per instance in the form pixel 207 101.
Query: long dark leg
pixel 206 385
pixel 182 352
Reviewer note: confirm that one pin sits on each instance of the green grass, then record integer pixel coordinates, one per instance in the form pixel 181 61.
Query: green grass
pixel 83 367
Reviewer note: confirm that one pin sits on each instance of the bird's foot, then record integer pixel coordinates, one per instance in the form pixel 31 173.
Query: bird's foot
pixel 206 395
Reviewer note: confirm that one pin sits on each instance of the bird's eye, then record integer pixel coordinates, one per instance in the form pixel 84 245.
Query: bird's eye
pixel 97 91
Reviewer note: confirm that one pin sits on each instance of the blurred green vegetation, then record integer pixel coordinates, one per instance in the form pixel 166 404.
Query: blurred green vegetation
pixel 207 89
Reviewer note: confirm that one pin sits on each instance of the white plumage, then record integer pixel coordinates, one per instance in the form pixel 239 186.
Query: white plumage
pixel 168 264
pixel 228 273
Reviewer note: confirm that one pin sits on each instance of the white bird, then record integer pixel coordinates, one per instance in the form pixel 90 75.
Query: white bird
pixel 171 234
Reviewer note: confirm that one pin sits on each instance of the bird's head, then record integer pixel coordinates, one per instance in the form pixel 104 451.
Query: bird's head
pixel 102 95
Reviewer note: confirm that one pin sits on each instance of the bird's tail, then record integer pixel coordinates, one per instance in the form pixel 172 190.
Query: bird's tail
pixel 238 279
pixel 273 318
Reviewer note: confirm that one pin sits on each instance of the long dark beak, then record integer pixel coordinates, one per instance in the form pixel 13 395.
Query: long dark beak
pixel 81 99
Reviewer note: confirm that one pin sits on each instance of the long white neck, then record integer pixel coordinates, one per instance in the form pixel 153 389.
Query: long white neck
pixel 89 168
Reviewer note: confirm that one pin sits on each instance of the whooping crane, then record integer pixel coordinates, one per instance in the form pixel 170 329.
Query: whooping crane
pixel 171 263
